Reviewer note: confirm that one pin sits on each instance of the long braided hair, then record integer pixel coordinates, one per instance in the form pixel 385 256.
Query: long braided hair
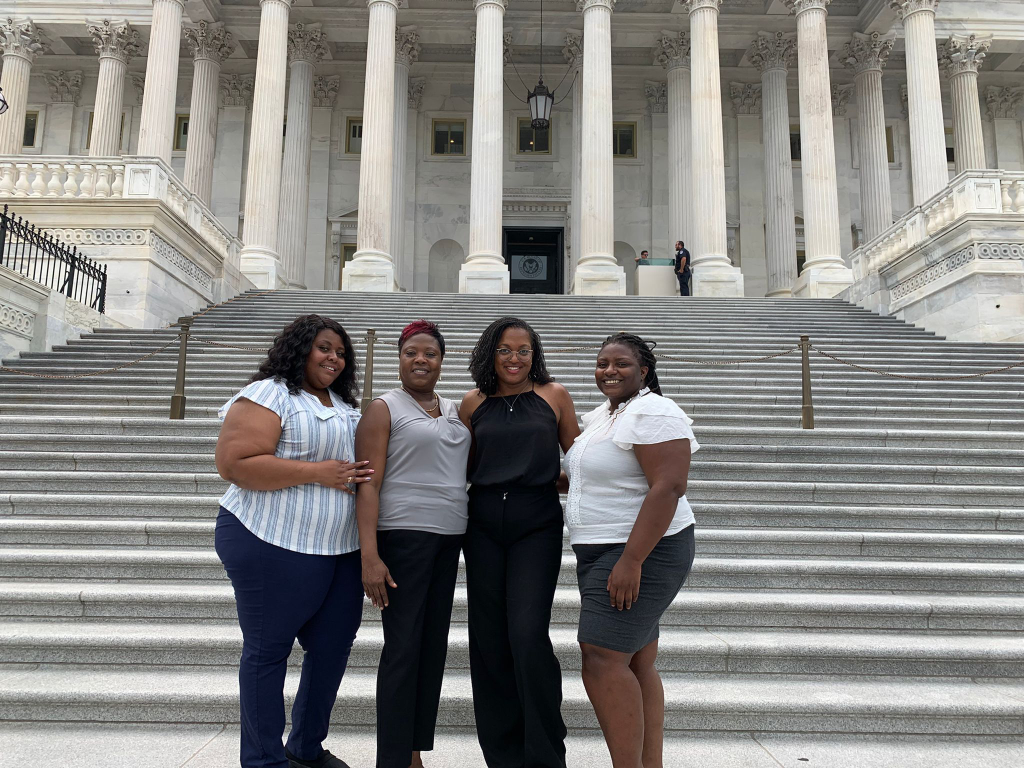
pixel 644 351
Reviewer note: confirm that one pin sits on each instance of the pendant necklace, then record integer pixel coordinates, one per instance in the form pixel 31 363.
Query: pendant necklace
pixel 512 405
pixel 428 410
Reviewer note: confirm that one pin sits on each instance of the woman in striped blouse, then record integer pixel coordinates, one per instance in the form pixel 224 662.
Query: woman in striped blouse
pixel 287 536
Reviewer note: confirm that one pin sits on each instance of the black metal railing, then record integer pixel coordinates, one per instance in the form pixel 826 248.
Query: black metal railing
pixel 44 259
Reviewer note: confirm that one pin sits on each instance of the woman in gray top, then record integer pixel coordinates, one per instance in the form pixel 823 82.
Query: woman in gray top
pixel 411 516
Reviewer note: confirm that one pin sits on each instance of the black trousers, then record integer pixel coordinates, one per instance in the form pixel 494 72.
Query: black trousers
pixel 684 283
pixel 513 554
pixel 424 566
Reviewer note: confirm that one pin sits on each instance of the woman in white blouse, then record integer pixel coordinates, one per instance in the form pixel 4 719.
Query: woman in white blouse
pixel 632 531
pixel 287 536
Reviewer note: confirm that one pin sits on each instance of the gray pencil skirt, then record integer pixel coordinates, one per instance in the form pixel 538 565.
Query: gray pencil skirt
pixel 661 577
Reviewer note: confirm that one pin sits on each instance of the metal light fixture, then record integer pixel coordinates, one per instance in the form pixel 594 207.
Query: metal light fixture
pixel 540 98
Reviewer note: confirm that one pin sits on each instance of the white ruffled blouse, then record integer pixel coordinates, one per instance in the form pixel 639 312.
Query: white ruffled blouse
pixel 607 486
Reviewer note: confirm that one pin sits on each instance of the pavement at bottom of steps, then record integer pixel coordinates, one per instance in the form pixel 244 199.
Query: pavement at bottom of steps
pixel 210 746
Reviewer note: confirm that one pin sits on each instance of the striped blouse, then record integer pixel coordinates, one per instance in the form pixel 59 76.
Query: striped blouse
pixel 309 518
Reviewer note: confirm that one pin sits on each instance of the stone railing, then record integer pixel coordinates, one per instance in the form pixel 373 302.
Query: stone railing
pixel 990 193
pixel 115 178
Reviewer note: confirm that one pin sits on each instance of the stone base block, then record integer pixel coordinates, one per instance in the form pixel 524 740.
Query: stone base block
pixel 599 280
pixel 822 282
pixel 489 278
pixel 263 268
pixel 718 280
pixel 369 275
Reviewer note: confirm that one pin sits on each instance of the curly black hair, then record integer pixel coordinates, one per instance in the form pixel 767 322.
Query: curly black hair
pixel 286 359
pixel 644 352
pixel 481 362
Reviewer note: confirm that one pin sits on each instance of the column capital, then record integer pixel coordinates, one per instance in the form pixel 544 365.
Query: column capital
pixel 867 52
pixel 114 40
pixel 176 2
pixel 506 44
pixel 502 3
pixel 138 80
pixel 696 5
pixel 65 85
pixel 416 85
pixel 773 51
pixel 907 8
pixel 407 46
pixel 573 48
pixel 583 5
pixel 1004 102
pixel 236 90
pixel 325 90
pixel 840 99
pixel 21 38
pixel 672 49
pixel 209 40
pixel 369 3
pixel 801 6
pixel 746 98
pixel 657 96
pixel 963 53
pixel 307 42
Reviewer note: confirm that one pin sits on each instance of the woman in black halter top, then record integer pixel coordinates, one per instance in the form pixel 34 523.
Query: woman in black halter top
pixel 519 418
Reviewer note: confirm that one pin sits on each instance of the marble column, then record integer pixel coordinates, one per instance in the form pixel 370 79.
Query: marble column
pixel 929 171
pixel 672 52
pixel 825 273
pixel 746 101
pixel 484 270
pixel 1004 109
pixel 306 47
pixel 236 92
pixel 20 42
pixel 841 95
pixel 573 53
pixel 961 57
pixel 156 131
pixel 210 44
pixel 325 94
pixel 865 56
pixel 373 268
pixel 713 274
pixel 407 51
pixel 773 54
pixel 116 43
pixel 65 87
pixel 261 261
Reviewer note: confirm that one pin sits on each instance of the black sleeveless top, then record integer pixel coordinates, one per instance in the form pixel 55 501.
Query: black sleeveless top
pixel 517 446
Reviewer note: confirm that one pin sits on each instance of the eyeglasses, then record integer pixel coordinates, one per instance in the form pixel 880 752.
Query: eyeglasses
pixel 522 354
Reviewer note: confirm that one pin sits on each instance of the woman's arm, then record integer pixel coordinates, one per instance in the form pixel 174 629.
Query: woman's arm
pixel 666 466
pixel 561 403
pixel 470 402
pixel 372 439
pixel 245 455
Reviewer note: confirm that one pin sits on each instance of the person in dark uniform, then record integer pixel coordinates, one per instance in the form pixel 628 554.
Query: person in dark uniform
pixel 519 417
pixel 683 268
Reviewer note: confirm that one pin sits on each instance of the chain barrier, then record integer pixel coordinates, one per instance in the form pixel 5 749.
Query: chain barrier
pixel 726 362
pixel 65 377
pixel 904 376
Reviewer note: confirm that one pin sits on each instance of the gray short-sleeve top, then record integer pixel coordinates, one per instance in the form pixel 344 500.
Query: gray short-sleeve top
pixel 424 486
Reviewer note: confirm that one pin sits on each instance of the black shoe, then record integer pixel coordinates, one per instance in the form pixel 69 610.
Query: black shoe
pixel 326 760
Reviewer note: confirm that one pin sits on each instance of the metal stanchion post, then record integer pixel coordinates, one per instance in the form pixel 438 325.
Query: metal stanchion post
pixel 371 337
pixel 178 398
pixel 807 408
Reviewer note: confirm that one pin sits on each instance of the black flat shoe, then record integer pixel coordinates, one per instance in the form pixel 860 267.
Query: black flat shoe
pixel 326 760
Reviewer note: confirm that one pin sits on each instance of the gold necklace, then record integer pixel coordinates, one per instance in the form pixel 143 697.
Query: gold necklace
pixel 437 401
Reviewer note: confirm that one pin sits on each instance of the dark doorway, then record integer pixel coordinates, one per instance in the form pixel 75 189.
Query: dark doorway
pixel 534 258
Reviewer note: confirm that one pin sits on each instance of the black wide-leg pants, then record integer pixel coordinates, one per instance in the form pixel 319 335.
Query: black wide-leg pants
pixel 424 566
pixel 513 552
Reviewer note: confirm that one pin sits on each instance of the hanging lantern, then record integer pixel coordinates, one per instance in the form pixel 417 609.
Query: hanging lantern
pixel 540 100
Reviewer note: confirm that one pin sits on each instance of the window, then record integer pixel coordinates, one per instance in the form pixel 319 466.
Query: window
pixel 354 136
pixel 950 151
pixel 88 133
pixel 449 137
pixel 180 133
pixel 795 150
pixel 31 125
pixel 624 139
pixel 533 141
pixel 348 251
pixel 801 258
pixel 890 143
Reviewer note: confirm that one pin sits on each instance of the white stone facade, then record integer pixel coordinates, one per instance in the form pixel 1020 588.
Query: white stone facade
pixel 750 231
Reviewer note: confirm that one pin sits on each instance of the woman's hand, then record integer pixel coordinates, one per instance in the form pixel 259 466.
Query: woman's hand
pixel 624 583
pixel 342 474
pixel 376 579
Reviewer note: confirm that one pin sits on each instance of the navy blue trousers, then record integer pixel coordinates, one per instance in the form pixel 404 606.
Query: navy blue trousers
pixel 282 595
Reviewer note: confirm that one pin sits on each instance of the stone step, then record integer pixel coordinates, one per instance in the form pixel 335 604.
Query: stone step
pixel 707 702
pixel 115 646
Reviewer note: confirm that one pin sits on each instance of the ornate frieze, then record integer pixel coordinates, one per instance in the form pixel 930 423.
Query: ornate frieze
pixel 672 49
pixel 183 263
pixel 907 8
pixel 325 90
pixel 21 38
pixel 115 40
pixel 657 97
pixel 101 236
pixel 17 320
pixel 65 85
pixel 1004 102
pixel 746 98
pixel 307 42
pixel 1001 251
pixel 416 85
pixel 573 48
pixel 407 46
pixel 867 52
pixel 209 41
pixel 236 90
pixel 963 53
pixel 773 51
pixel 940 269
pixel 840 99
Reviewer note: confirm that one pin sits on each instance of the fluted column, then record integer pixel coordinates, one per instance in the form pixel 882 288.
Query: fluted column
pixel 306 47
pixel 116 43
pixel 672 51
pixel 20 42
pixel 927 132
pixel 961 57
pixel 372 268
pixel 260 258
pixel 484 270
pixel 210 44
pixel 573 53
pixel 1004 109
pixel 713 274
pixel 407 51
pixel 65 87
pixel 773 54
pixel 825 273
pixel 865 56
pixel 156 131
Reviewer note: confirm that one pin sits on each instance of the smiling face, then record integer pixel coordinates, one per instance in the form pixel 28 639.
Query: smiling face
pixel 419 362
pixel 512 369
pixel 326 360
pixel 618 374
